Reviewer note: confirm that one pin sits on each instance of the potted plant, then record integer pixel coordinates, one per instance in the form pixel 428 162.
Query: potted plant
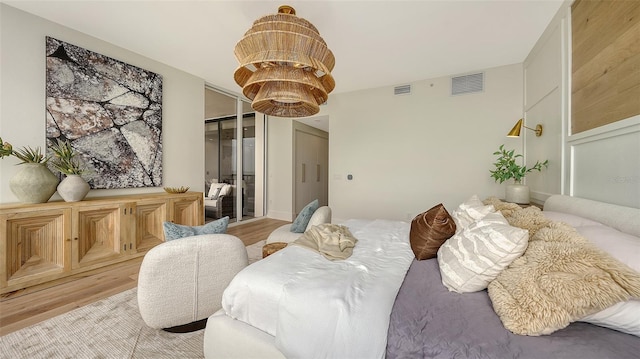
pixel 34 183
pixel 506 168
pixel 73 187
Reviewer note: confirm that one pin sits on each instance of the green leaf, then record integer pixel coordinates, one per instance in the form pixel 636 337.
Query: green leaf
pixel 506 167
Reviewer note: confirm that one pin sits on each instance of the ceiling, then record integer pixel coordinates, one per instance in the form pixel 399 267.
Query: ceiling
pixel 376 43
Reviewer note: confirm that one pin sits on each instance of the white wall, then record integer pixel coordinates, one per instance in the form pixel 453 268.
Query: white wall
pixel 546 75
pixel 22 100
pixel 280 168
pixel 408 153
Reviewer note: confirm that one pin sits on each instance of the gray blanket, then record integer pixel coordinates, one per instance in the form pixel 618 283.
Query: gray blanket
pixel 428 321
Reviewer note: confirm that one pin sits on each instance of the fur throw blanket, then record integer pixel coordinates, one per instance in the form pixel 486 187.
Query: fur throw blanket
pixel 331 240
pixel 560 278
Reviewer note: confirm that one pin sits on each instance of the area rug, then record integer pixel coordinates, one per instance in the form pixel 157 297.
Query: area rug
pixel 109 328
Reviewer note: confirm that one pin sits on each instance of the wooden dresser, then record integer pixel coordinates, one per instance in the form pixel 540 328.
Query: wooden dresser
pixel 44 242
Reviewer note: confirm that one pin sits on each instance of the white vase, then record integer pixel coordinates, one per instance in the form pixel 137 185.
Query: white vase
pixel 73 188
pixel 34 183
pixel 517 193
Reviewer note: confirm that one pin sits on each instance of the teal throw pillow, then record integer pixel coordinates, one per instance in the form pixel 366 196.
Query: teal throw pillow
pixel 300 223
pixel 174 231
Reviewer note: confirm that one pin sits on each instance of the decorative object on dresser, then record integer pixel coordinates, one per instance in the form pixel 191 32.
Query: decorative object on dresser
pixel 34 183
pixel 46 242
pixel 180 189
pixel 506 168
pixel 73 187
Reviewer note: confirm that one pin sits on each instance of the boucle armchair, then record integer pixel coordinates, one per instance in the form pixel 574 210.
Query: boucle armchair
pixel 181 281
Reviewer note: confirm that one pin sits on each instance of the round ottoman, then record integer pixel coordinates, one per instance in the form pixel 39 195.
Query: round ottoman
pixel 271 248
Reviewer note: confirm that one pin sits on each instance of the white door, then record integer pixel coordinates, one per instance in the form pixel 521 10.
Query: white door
pixel 311 161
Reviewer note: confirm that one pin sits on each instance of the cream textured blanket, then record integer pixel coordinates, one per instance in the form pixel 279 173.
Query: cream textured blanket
pixel 333 241
pixel 560 278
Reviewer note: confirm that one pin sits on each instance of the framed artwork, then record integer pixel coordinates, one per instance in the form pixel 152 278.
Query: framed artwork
pixel 109 111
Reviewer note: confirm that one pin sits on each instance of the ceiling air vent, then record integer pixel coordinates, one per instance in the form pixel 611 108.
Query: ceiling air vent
pixel 402 90
pixel 467 84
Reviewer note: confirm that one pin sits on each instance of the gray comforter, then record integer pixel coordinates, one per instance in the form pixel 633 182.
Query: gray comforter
pixel 428 321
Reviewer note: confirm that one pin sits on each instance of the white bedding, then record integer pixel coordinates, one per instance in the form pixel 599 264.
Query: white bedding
pixel 317 308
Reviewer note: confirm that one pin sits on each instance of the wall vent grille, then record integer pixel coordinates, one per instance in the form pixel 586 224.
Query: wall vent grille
pixel 467 84
pixel 402 90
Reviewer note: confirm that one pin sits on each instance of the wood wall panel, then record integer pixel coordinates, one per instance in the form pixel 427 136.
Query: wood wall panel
pixel 605 63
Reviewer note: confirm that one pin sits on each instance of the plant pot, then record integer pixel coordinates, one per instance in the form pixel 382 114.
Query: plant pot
pixel 517 193
pixel 73 188
pixel 34 183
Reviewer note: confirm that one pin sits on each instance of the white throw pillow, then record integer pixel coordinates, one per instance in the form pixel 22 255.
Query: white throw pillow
pixel 213 188
pixel 470 211
pixel 624 316
pixel 474 257
pixel 621 246
pixel 322 215
pixel 226 189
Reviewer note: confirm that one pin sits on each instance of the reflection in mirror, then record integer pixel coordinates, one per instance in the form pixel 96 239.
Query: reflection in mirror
pixel 226 195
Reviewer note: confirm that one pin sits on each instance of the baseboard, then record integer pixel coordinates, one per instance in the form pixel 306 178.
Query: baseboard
pixel 283 216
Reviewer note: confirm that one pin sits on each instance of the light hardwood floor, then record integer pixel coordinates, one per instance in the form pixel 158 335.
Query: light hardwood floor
pixel 23 308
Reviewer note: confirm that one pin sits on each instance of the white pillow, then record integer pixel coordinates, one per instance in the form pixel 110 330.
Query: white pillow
pixel 473 258
pixel 470 211
pixel 226 189
pixel 570 219
pixel 322 215
pixel 212 189
pixel 621 246
pixel 624 316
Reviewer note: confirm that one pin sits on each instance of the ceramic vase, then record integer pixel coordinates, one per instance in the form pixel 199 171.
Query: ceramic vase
pixel 34 183
pixel 517 193
pixel 73 188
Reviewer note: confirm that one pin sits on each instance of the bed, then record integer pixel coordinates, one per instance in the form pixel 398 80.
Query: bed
pixel 425 319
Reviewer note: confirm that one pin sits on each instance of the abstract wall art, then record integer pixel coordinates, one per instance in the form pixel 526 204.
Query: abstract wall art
pixel 109 111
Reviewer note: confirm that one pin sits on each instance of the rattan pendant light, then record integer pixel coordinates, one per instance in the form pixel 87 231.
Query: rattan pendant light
pixel 285 66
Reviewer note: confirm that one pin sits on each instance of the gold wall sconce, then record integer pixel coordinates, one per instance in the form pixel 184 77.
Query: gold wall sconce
pixel 515 131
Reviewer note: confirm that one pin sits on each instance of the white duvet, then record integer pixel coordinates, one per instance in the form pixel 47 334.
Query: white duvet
pixel 318 308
